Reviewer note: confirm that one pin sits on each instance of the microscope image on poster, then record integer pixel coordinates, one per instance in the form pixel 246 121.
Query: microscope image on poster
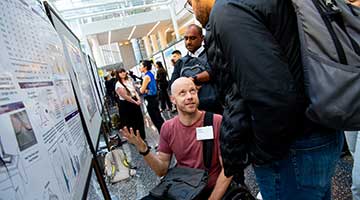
pixel 23 130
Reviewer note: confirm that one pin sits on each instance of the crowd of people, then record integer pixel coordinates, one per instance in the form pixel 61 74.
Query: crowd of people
pixel 250 74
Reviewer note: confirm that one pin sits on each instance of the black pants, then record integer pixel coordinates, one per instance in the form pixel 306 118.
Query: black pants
pixel 164 99
pixel 154 112
pixel 131 116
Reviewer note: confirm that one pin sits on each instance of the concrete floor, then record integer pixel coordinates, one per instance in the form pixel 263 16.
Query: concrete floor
pixel 139 185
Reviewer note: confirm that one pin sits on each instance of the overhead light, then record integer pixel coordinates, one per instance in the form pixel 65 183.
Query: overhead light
pixel 132 32
pixel 126 43
pixel 109 37
pixel 153 28
pixel 120 43
pixel 167 30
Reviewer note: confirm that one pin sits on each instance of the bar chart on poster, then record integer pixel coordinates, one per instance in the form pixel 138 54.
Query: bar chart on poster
pixel 43 149
pixel 80 76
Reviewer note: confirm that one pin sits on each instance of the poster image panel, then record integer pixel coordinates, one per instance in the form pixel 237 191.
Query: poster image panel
pixel 23 130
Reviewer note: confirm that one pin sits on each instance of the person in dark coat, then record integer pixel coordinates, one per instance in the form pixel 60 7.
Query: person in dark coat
pixel 163 84
pixel 254 53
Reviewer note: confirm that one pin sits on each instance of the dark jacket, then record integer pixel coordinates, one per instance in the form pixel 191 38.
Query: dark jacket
pixel 253 49
pixel 161 79
pixel 110 87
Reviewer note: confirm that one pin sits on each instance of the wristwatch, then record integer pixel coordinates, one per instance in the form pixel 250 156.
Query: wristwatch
pixel 146 152
pixel 195 79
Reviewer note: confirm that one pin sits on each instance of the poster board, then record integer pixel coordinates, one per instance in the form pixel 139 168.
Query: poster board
pixel 93 82
pixel 43 149
pixel 79 75
pixel 180 45
pixel 98 80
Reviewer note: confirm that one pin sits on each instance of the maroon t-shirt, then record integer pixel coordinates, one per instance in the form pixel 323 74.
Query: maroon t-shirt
pixel 181 140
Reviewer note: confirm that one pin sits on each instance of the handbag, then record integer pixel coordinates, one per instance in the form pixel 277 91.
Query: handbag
pixel 184 183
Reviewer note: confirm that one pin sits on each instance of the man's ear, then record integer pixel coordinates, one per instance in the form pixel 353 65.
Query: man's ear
pixel 172 98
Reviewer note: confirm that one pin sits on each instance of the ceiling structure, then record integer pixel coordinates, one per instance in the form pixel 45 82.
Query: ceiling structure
pixel 115 20
pixel 122 35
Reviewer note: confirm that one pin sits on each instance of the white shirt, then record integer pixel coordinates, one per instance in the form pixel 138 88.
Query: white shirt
pixel 197 52
pixel 129 86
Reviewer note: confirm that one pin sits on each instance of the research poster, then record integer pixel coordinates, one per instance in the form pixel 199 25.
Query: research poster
pixel 43 149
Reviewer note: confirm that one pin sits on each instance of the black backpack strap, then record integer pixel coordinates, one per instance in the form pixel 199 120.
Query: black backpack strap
pixel 340 21
pixel 326 16
pixel 208 144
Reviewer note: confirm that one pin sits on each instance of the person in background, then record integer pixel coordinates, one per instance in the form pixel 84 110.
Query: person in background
pixel 129 103
pixel 178 137
pixel 108 87
pixel 175 56
pixel 112 83
pixel 149 90
pixel 134 77
pixel 163 85
pixel 253 49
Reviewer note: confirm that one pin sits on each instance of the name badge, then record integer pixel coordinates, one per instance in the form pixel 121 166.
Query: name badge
pixel 204 133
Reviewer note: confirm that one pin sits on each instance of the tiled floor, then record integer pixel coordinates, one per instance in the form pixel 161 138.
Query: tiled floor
pixel 139 185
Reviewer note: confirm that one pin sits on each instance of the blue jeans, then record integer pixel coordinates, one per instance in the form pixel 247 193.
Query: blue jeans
pixel 353 139
pixel 306 173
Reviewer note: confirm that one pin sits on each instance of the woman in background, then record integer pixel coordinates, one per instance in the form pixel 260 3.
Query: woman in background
pixel 129 106
pixel 149 90
pixel 163 84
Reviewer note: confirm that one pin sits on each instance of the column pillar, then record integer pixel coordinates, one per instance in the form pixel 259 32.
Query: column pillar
pixel 147 46
pixel 154 43
pixel 171 7
pixel 162 39
pixel 96 51
pixel 137 51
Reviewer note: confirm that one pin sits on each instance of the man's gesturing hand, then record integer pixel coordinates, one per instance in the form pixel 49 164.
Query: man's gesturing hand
pixel 134 139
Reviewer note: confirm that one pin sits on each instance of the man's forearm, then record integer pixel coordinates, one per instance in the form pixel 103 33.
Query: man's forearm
pixel 222 183
pixel 203 77
pixel 158 166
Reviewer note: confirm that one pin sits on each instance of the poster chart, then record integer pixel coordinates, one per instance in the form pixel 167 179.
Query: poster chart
pixel 43 148
pixel 79 75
